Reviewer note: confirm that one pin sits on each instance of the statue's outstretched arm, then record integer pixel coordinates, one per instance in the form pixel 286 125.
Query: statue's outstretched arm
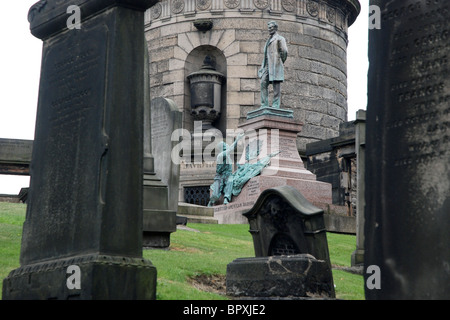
pixel 233 146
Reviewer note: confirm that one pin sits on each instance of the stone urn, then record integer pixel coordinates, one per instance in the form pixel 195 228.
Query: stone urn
pixel 206 88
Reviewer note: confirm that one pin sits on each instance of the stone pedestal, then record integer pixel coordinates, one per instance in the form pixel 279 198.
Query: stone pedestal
pixel 301 276
pixel 159 219
pixel 276 133
pixel 84 214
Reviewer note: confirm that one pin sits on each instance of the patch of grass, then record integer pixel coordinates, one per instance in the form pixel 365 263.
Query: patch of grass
pixel 348 286
pixel 340 247
pixel 12 216
pixel 191 254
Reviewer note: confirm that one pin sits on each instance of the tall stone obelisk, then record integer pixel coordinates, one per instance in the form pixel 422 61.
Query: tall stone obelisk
pixel 82 237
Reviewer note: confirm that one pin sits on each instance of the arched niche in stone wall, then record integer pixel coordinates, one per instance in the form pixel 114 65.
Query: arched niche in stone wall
pixel 194 62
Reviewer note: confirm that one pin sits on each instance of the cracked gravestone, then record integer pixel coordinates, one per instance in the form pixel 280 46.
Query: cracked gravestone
pixel 291 250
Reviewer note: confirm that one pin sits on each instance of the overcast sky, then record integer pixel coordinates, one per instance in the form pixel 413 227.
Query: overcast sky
pixel 20 62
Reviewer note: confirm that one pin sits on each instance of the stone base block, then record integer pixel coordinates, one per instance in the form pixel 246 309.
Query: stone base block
pixel 101 277
pixel 357 257
pixel 156 240
pixel 158 225
pixel 280 276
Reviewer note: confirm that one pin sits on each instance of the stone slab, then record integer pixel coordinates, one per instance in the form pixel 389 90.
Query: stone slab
pixel 15 151
pixel 102 277
pixel 270 111
pixel 279 276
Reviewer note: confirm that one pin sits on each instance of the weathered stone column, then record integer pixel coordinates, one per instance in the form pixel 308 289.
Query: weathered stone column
pixel 82 237
pixel 357 257
pixel 407 238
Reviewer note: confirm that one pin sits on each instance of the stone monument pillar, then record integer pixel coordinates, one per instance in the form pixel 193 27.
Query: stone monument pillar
pixel 357 257
pixel 274 130
pixel 82 237
pixel 407 214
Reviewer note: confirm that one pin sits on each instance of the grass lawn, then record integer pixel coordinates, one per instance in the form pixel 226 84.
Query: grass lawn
pixel 201 255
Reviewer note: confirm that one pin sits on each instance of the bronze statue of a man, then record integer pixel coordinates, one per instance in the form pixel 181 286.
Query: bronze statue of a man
pixel 272 68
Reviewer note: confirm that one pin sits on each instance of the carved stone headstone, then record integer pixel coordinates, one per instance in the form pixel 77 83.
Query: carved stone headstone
pixel 161 180
pixel 291 249
pixel 407 214
pixel 82 237
pixel 166 118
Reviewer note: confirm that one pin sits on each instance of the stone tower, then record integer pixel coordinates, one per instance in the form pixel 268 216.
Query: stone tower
pixel 181 33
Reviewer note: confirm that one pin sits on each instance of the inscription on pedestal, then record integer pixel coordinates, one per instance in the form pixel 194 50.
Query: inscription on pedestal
pixel 288 149
pixel 253 188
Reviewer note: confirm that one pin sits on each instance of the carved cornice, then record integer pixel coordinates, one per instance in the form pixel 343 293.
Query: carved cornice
pixel 340 13
pixel 48 17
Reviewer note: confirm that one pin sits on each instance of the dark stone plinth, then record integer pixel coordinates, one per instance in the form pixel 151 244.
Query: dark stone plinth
pixel 102 277
pixel 85 196
pixel 280 276
pixel 407 213
pixel 158 220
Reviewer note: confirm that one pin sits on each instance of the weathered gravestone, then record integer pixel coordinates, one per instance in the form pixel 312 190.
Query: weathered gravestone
pixel 15 156
pixel 162 177
pixel 291 250
pixel 166 118
pixel 82 237
pixel 407 214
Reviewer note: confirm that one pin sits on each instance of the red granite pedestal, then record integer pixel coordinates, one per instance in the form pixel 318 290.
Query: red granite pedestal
pixel 276 134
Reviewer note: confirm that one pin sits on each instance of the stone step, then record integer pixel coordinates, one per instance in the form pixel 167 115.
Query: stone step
pixel 201 219
pixel 187 209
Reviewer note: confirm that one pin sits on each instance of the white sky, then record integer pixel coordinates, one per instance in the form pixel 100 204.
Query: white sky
pixel 20 61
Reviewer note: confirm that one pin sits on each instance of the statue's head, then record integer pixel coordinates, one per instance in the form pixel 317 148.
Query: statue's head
pixel 272 26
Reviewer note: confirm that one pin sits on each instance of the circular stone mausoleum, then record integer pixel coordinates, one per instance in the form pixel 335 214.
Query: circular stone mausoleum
pixel 232 33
